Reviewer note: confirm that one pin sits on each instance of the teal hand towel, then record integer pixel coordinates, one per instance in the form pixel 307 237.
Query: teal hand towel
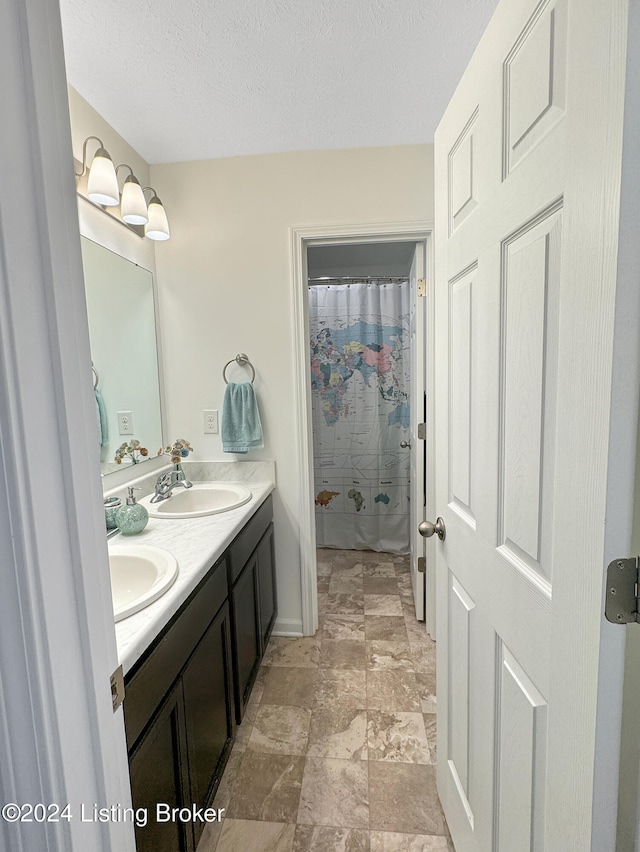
pixel 240 428
pixel 101 414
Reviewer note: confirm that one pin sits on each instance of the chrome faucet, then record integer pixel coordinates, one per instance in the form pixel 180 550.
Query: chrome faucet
pixel 169 480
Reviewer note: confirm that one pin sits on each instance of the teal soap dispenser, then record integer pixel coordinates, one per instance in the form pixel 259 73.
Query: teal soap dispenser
pixel 131 518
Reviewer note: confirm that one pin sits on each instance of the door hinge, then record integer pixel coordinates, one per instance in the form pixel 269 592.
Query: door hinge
pixel 421 287
pixel 621 602
pixel 422 431
pixel 422 564
pixel 117 688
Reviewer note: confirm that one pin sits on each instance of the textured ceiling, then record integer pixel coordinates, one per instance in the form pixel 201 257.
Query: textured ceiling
pixel 194 79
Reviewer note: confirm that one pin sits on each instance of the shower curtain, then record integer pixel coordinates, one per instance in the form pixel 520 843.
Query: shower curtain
pixel 360 412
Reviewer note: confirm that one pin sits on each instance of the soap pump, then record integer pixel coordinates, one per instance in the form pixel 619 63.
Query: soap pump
pixel 131 518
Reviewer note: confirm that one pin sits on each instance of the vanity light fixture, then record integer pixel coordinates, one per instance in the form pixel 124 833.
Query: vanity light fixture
pixel 102 184
pixel 133 206
pixel 129 207
pixel 158 226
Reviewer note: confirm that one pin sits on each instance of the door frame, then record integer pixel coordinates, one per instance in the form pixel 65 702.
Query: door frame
pixel 60 741
pixel 300 239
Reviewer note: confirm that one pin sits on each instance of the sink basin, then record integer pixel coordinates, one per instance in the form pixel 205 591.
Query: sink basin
pixel 203 498
pixel 140 574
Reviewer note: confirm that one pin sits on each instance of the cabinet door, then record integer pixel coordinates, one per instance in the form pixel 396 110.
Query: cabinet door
pixel 246 638
pixel 159 773
pixel 267 584
pixel 208 699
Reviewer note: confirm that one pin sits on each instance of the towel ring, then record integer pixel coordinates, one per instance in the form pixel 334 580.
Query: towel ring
pixel 243 361
pixel 96 378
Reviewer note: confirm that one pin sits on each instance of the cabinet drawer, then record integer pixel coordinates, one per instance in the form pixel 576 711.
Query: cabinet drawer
pixel 247 541
pixel 152 679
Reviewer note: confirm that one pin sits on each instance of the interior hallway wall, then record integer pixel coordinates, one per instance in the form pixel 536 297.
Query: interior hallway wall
pixel 224 283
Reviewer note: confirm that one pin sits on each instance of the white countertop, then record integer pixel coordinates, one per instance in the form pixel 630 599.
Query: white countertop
pixel 196 543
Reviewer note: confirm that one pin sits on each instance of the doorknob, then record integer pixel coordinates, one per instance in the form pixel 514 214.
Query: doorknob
pixel 427 529
pixel 405 444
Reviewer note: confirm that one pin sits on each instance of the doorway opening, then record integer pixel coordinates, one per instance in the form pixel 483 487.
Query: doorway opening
pixel 361 359
pixel 364 262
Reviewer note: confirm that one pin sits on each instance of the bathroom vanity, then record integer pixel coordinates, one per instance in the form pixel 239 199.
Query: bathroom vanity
pixel 187 690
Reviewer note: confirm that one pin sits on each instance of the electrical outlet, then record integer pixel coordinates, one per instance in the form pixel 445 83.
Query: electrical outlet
pixel 210 422
pixel 125 422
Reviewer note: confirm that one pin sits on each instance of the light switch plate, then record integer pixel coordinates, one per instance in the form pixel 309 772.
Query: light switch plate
pixel 125 422
pixel 210 422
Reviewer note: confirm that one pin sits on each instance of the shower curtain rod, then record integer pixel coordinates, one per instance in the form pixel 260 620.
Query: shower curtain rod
pixel 392 279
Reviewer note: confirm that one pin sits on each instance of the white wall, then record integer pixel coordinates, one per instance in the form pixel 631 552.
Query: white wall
pixel 224 285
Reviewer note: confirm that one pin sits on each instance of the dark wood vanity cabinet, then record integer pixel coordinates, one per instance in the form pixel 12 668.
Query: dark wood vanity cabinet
pixel 246 640
pixel 179 716
pixel 252 597
pixel 208 712
pixel 267 584
pixel 184 695
pixel 158 771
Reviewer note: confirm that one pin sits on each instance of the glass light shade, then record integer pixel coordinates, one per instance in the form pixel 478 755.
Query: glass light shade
pixel 133 207
pixel 102 186
pixel 158 226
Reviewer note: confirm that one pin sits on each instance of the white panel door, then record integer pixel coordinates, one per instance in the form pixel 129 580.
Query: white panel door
pixel 527 170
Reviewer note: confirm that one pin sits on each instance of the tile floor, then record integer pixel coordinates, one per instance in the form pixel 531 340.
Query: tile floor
pixel 337 748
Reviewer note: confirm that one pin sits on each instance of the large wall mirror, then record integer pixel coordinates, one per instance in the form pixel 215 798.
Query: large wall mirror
pixel 122 333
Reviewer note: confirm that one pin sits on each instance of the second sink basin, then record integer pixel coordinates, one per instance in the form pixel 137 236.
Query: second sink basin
pixel 203 498
pixel 140 574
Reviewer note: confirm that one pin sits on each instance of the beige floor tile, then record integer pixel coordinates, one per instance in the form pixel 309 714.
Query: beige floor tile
pixel 334 792
pixel 210 836
pixel 324 565
pixel 338 732
pixel 430 727
pixel 225 789
pixel 339 585
pixel 382 605
pixel 338 626
pixel 345 604
pixel 322 609
pixel 243 732
pixel 314 838
pixel 380 586
pixel 290 686
pixel 343 654
pixel 403 798
pixel 294 653
pixel 416 630
pixel 379 569
pixel 388 628
pixel 383 655
pixel 363 687
pixel 280 730
pixel 385 841
pixel 241 835
pixel 393 690
pixel 323 584
pixel 267 788
pixel 427 686
pixel 424 659
pixel 348 570
pixel 397 737
pixel 339 688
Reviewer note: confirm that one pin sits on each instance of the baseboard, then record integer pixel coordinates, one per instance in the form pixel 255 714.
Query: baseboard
pixel 288 627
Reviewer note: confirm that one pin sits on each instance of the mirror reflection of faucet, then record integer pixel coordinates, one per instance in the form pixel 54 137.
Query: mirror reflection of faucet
pixel 169 480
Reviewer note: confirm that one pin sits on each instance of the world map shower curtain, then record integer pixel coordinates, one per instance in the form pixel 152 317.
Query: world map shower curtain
pixel 360 363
